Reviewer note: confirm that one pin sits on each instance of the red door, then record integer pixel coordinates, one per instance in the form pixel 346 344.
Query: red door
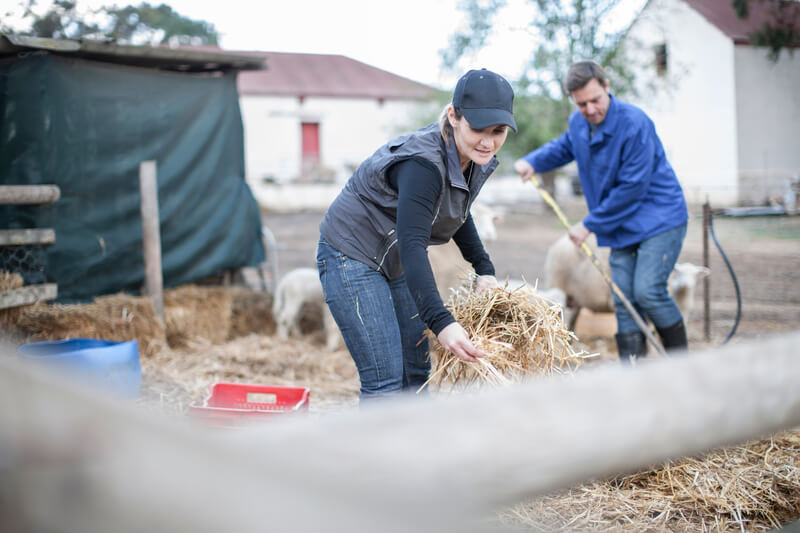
pixel 310 140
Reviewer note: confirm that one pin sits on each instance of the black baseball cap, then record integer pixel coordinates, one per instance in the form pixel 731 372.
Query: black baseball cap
pixel 485 99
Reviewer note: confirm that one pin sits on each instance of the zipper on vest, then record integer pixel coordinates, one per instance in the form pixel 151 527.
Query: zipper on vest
pixel 380 264
pixel 436 214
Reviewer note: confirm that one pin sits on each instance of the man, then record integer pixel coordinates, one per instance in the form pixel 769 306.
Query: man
pixel 636 205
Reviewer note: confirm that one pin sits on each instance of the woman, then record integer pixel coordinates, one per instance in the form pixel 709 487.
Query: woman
pixel 414 191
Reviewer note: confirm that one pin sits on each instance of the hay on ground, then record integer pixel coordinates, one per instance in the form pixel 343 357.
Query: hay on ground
pixel 177 378
pixel 251 312
pixel 193 313
pixel 521 333
pixel 752 487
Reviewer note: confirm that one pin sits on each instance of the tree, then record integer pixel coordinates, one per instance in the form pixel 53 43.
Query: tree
pixel 780 30
pixel 563 31
pixel 142 24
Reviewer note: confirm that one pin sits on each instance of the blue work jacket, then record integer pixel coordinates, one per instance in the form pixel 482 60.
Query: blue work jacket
pixel 631 190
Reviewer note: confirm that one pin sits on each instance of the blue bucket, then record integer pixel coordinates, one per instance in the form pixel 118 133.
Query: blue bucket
pixel 111 365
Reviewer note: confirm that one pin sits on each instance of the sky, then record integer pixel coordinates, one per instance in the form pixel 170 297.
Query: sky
pixel 404 37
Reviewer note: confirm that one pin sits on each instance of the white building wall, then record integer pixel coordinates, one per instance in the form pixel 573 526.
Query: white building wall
pixel 768 107
pixel 693 105
pixel 271 137
pixel 349 130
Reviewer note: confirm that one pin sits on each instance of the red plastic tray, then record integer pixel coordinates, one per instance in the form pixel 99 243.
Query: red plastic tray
pixel 236 403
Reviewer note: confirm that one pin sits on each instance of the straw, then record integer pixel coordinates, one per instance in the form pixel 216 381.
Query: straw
pixel 521 333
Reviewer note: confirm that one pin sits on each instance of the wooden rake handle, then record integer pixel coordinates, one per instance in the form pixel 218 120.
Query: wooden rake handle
pixel 596 262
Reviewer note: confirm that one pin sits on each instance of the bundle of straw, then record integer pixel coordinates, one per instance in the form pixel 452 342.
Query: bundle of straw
pixel 9 281
pixel 117 317
pixel 194 313
pixel 520 332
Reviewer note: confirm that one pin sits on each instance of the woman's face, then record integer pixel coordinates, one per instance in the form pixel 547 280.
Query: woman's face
pixel 476 145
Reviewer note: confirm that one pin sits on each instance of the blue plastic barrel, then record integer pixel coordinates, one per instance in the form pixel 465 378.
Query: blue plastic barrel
pixel 111 365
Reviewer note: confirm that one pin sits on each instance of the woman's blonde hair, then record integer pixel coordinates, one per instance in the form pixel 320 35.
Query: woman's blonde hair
pixel 444 123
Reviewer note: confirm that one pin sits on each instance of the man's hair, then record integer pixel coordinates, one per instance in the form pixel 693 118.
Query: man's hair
pixel 582 72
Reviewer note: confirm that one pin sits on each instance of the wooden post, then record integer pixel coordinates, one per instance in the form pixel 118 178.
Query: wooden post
pixel 151 235
pixel 706 279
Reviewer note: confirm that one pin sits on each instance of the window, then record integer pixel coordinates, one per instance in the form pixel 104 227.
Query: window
pixel 661 58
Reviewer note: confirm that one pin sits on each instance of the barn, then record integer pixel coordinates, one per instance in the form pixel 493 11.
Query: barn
pixel 725 111
pixel 83 115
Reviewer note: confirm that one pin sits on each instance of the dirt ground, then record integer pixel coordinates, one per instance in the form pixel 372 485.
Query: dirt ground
pixel 764 252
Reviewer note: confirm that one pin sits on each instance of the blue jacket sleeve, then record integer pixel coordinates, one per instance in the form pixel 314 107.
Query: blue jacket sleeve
pixel 631 183
pixel 552 155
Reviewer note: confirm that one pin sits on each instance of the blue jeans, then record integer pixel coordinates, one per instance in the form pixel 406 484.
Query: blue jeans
pixel 379 322
pixel 641 271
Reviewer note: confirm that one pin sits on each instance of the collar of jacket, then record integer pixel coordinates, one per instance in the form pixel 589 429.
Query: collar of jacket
pixel 454 172
pixel 608 126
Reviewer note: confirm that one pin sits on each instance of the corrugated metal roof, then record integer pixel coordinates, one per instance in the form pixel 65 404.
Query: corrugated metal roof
pixel 176 59
pixel 301 75
pixel 722 15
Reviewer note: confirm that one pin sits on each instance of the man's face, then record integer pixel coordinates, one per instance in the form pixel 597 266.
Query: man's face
pixel 592 101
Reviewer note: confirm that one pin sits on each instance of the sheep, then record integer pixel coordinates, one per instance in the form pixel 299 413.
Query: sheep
pixel 299 287
pixel 485 218
pixel 568 268
pixel 682 283
pixel 554 294
pixel 449 267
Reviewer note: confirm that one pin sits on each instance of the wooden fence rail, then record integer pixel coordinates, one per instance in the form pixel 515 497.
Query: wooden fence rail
pixel 29 194
pixel 32 195
pixel 76 462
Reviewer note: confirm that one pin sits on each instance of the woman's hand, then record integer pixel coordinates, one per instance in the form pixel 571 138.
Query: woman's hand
pixel 455 339
pixel 524 169
pixel 485 282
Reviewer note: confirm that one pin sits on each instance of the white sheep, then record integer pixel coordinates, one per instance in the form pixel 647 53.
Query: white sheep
pixel 449 267
pixel 568 268
pixel 554 294
pixel 298 287
pixel 682 283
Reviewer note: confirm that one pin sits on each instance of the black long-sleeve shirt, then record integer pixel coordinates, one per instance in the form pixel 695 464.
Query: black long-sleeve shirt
pixel 418 184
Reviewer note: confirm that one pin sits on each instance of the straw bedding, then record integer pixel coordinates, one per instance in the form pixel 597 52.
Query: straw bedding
pixel 753 487
pixel 175 378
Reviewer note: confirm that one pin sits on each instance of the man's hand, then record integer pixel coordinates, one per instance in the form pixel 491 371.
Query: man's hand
pixel 578 233
pixel 485 282
pixel 455 339
pixel 524 169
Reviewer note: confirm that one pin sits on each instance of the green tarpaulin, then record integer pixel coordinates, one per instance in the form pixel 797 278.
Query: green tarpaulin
pixel 86 126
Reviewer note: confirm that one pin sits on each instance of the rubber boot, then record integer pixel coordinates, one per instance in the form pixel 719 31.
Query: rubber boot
pixel 631 345
pixel 674 337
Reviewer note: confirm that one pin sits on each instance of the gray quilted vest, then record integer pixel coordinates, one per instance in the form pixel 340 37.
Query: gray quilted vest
pixel 361 221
